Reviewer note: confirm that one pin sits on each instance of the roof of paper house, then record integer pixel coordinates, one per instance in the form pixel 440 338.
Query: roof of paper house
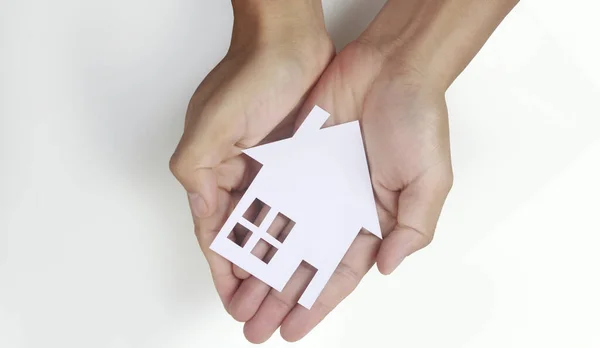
pixel 328 159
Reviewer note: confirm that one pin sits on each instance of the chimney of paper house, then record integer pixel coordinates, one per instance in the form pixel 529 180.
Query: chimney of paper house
pixel 313 122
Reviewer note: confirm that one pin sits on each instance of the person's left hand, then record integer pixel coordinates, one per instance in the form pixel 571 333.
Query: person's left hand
pixel 405 128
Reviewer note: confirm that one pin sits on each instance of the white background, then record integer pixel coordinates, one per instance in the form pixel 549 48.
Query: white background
pixel 96 242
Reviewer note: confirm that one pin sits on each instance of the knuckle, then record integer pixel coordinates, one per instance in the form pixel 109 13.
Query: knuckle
pixel 348 276
pixel 179 164
pixel 324 306
pixel 447 179
pixel 427 239
pixel 425 236
pixel 280 301
pixel 175 164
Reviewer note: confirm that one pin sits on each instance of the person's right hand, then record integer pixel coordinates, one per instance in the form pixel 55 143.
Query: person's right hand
pixel 278 51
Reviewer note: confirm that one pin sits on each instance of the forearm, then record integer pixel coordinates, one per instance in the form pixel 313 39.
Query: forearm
pixel 260 22
pixel 437 38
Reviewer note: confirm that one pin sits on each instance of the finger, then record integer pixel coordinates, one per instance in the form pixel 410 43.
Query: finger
pixel 355 264
pixel 251 293
pixel 247 299
pixel 419 208
pixel 276 306
pixel 206 230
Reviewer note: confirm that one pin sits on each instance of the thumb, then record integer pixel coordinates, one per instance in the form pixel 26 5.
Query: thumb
pixel 419 208
pixel 203 146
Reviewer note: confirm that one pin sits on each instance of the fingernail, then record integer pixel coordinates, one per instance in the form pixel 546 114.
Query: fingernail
pixel 198 204
pixel 391 266
pixel 398 262
pixel 405 248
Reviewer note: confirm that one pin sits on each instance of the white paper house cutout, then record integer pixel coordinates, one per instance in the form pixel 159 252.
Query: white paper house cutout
pixel 320 179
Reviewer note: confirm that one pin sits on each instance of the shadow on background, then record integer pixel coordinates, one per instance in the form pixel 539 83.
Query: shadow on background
pixel 347 19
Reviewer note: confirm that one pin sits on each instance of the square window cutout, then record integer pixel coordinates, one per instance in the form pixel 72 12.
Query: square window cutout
pixel 264 251
pixel 239 235
pixel 256 212
pixel 281 227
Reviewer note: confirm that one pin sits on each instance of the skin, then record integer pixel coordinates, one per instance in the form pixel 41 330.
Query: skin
pixel 392 79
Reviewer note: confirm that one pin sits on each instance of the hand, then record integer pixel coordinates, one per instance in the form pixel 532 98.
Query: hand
pixel 405 126
pixel 393 80
pixel 278 52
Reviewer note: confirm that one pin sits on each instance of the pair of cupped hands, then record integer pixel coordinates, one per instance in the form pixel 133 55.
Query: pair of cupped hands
pixel 260 92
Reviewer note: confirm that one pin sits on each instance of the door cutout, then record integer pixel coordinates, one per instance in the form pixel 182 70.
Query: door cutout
pixel 301 278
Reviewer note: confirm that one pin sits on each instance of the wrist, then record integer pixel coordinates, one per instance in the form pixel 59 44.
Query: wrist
pixel 263 23
pixel 434 39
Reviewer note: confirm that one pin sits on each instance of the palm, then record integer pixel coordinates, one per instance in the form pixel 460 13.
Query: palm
pixel 406 138
pixel 404 123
